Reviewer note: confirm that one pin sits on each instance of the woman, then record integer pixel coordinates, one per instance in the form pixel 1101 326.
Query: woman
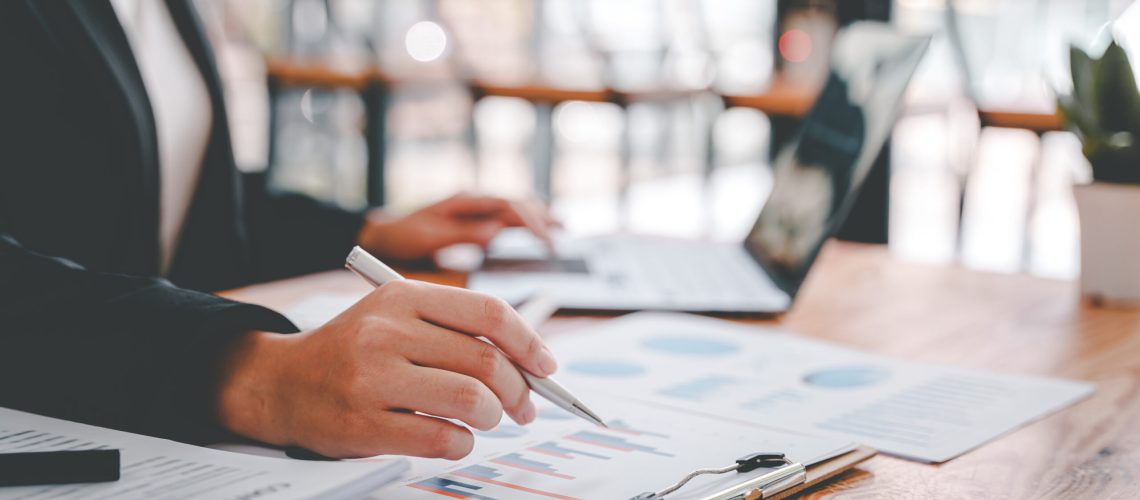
pixel 121 208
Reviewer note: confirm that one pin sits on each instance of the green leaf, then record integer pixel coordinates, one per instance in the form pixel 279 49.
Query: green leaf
pixel 1077 109
pixel 1118 100
pixel 1082 66
pixel 1104 112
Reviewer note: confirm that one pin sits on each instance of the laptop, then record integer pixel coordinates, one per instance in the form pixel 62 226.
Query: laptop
pixel 816 180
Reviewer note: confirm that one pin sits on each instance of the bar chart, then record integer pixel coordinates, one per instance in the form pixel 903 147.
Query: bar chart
pixel 517 461
pixel 641 448
pixel 541 468
pixel 555 450
pixel 489 475
pixel 449 488
pixel 616 443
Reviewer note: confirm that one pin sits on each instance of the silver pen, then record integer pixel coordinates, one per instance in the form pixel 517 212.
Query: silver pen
pixel 377 273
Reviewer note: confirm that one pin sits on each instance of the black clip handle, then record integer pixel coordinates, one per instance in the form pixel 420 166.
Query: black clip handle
pixel 749 463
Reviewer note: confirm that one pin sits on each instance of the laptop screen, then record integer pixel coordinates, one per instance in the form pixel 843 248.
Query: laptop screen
pixel 817 178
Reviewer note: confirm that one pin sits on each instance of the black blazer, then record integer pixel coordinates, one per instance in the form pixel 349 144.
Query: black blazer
pixel 87 332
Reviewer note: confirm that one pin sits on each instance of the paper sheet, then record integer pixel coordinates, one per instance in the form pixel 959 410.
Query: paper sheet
pixel 158 468
pixel 317 309
pixel 914 410
pixel 708 385
pixel 646 449
pixel 560 456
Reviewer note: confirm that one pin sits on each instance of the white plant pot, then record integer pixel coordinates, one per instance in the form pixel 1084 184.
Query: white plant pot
pixel 1110 241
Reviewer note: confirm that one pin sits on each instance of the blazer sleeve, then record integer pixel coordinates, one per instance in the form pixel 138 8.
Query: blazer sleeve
pixel 292 234
pixel 130 353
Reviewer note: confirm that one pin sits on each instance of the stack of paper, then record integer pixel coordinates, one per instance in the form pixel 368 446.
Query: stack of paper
pixel 158 468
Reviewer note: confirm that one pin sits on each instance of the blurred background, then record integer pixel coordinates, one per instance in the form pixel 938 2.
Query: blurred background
pixel 660 116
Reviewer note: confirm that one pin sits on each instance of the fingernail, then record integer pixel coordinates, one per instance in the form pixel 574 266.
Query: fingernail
pixel 529 413
pixel 546 362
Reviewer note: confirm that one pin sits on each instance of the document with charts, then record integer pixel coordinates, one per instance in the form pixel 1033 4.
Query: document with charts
pixel 645 449
pixel 685 392
pixel 914 410
pixel 158 468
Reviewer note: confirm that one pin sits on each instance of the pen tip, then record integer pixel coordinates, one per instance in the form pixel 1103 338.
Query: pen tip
pixel 589 415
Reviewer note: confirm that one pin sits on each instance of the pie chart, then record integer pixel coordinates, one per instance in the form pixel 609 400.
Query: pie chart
pixel 847 377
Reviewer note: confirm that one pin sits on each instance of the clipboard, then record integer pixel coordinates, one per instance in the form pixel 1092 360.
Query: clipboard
pixel 785 478
pixel 826 470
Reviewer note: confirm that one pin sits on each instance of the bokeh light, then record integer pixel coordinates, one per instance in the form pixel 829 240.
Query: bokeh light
pixel 795 45
pixel 425 41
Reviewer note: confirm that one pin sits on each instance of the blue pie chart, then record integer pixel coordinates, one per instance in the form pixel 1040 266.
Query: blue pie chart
pixel 606 368
pixel 848 377
pixel 691 346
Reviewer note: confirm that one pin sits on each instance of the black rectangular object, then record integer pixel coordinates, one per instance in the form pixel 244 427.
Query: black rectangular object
pixel 59 467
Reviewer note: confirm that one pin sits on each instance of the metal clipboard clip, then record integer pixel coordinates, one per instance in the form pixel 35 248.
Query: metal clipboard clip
pixel 786 475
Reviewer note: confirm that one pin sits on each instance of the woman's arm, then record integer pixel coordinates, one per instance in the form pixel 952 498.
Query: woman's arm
pixel 130 353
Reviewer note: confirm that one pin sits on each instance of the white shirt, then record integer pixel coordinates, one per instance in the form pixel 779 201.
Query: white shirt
pixel 181 106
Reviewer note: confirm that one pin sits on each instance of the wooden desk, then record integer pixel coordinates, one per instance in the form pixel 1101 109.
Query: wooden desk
pixel 781 98
pixel 299 74
pixel 860 296
pixel 1037 121
pixel 302 73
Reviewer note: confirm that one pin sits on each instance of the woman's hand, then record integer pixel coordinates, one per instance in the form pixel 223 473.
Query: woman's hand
pixel 374 379
pixel 460 219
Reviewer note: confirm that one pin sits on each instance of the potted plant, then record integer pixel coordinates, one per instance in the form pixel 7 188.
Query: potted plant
pixel 1104 111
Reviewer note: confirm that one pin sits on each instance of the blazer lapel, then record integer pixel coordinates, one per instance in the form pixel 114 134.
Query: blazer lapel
pixel 108 47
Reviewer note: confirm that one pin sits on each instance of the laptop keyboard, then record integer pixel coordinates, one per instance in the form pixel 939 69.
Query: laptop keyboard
pixel 680 269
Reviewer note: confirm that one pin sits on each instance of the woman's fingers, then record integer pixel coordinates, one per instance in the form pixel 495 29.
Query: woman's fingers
pixel 438 347
pixel 532 216
pixel 529 213
pixel 475 314
pixel 396 433
pixel 477 231
pixel 469 206
pixel 350 387
pixel 444 394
